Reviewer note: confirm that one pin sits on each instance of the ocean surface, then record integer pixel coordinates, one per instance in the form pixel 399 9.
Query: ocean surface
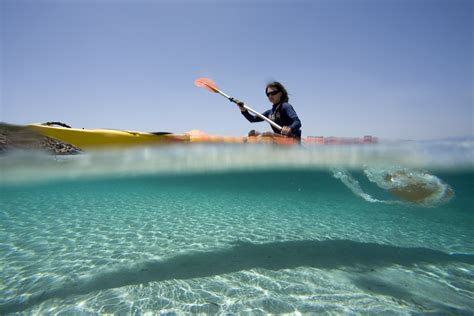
pixel 383 229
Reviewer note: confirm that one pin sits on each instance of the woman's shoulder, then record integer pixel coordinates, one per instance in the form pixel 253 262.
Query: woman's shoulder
pixel 286 105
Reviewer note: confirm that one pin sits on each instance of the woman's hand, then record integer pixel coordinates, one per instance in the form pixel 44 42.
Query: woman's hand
pixel 285 130
pixel 240 104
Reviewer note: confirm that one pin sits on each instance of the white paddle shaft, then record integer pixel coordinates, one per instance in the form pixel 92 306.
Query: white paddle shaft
pixel 266 119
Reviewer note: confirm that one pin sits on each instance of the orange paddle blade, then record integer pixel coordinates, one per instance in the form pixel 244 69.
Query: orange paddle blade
pixel 207 84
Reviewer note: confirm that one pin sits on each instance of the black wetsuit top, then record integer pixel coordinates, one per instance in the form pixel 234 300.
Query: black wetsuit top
pixel 283 114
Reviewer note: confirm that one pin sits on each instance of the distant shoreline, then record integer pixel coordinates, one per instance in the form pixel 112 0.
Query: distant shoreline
pixel 17 137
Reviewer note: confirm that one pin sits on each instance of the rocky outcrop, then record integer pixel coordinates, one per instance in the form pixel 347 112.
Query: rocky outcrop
pixel 14 137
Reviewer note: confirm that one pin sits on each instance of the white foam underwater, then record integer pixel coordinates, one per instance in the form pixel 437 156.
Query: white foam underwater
pixel 414 186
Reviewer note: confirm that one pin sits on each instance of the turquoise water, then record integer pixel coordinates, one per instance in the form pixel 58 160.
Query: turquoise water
pixel 239 229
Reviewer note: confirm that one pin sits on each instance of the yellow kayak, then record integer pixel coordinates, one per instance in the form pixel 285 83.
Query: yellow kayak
pixel 108 138
pixel 105 138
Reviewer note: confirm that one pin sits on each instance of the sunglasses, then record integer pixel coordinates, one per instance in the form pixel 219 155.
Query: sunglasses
pixel 272 93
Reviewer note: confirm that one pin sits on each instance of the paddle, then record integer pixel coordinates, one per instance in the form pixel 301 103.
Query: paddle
pixel 209 85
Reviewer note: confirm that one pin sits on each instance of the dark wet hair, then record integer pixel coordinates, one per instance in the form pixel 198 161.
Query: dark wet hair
pixel 279 87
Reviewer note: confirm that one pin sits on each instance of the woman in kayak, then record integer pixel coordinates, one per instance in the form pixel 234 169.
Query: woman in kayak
pixel 281 112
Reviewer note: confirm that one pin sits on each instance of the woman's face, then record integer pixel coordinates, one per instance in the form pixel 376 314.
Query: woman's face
pixel 274 95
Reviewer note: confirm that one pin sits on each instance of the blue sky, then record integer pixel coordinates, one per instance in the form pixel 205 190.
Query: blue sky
pixel 397 69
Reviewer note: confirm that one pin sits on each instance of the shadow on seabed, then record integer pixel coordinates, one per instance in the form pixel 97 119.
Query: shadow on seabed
pixel 327 254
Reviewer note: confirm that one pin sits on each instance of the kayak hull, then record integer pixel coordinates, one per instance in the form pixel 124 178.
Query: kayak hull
pixel 106 138
pixel 88 139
